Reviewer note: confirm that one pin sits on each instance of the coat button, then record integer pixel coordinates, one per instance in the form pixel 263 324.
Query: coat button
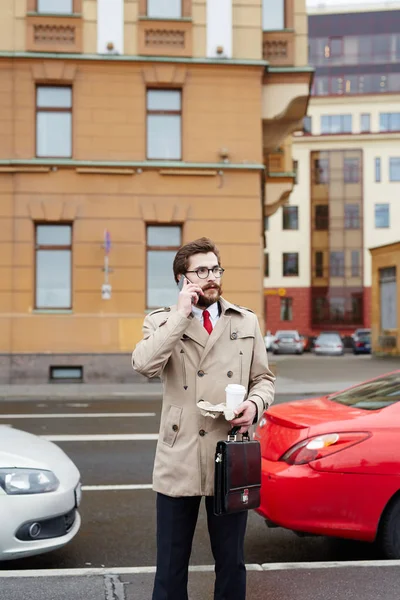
pixel 200 373
pixel 229 373
pixel 175 427
pixel 202 432
pixel 234 335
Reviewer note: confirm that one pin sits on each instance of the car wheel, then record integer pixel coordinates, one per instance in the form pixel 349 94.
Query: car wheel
pixel 355 352
pixel 389 535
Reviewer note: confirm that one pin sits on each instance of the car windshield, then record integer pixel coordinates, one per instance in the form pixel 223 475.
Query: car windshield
pixel 364 336
pixel 373 395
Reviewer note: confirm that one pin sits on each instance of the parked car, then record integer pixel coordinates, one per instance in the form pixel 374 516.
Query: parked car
pixel 287 342
pixel 361 339
pixel 268 339
pixel 330 465
pixel 40 492
pixel 330 344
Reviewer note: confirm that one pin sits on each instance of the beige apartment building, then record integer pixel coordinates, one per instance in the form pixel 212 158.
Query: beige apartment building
pixel 128 128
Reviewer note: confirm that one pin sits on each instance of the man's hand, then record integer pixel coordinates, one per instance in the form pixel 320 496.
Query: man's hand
pixel 247 411
pixel 190 291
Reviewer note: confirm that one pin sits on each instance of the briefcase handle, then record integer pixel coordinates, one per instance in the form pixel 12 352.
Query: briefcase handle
pixel 232 434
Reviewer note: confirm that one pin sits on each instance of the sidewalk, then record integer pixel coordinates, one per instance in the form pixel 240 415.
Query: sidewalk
pixel 353 581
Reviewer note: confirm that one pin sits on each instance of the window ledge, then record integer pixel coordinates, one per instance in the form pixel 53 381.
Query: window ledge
pixel 168 19
pixel 52 311
pixel 61 15
pixel 278 30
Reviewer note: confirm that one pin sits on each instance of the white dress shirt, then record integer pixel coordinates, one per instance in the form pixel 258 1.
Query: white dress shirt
pixel 213 310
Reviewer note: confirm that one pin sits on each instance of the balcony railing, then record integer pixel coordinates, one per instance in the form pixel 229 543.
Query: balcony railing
pixel 278 47
pixel 165 38
pixel 54 34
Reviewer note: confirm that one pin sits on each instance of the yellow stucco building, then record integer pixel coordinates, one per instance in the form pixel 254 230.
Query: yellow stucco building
pixel 128 128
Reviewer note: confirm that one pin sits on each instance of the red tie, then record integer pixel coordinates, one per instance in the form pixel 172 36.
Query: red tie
pixel 207 321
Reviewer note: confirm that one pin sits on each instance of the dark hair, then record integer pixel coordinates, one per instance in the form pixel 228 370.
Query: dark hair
pixel 201 246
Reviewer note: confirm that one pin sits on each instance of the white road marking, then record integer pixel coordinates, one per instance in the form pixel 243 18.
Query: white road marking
pixel 198 568
pixel 106 488
pixel 75 415
pixel 117 437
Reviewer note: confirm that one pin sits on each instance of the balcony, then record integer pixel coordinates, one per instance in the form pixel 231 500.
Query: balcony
pixel 54 34
pixel 278 48
pixel 165 38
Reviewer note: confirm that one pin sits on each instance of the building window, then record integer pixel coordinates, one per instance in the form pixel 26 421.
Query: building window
pixel 290 216
pixel 160 9
pixel 53 288
pixel 365 123
pixel 351 170
pixel 388 298
pixel 53 121
pixel 286 309
pixel 355 263
pixel 319 264
pixel 266 265
pixel 290 264
pixel 394 169
pixel 331 124
pixel 273 14
pixel 307 125
pixel 377 170
pixel 66 374
pixel 382 217
pixel 322 217
pixel 296 171
pixel 162 244
pixel 389 122
pixel 337 309
pixel 321 170
pixel 164 124
pixel 352 216
pixel 266 223
pixel 55 7
pixel 336 266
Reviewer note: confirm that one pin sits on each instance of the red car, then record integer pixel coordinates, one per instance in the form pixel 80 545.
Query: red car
pixel 331 465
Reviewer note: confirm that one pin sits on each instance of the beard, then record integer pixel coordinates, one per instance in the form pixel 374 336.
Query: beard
pixel 209 298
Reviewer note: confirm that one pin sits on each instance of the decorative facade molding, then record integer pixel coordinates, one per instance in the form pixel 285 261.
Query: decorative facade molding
pixel 53 209
pixel 54 71
pixel 167 211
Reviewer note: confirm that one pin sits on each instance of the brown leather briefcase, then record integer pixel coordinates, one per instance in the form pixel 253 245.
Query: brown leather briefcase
pixel 237 474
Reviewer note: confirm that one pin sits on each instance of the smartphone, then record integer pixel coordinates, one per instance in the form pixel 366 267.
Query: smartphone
pixel 181 282
pixel 180 285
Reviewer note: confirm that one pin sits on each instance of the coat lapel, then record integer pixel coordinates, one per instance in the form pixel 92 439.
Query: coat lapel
pixel 197 333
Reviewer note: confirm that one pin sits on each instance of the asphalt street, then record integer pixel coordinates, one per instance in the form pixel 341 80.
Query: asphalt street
pixel 113 444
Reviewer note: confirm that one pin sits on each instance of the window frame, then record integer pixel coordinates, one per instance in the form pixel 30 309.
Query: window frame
pixel 380 204
pixel 319 264
pixel 76 8
pixel 284 267
pixel 158 249
pixel 351 172
pixel 391 166
pixel 286 304
pixel 266 264
pixel 165 113
pixel 366 116
pixel 378 169
pixel 355 264
pixel 39 247
pixel 285 17
pixel 337 269
pixel 286 210
pixel 161 18
pixel 352 221
pixel 53 110
pixel 342 118
pixel 307 119
pixel 321 219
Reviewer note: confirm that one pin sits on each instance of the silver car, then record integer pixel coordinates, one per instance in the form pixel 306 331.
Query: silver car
pixel 40 492
pixel 287 342
pixel 329 344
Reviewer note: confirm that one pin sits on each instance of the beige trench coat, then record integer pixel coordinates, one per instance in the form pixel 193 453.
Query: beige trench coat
pixel 196 366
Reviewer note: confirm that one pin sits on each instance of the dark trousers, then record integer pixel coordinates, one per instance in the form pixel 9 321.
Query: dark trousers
pixel 176 523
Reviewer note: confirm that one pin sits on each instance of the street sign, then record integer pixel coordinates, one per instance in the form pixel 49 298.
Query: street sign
pixel 106 291
pixel 107 241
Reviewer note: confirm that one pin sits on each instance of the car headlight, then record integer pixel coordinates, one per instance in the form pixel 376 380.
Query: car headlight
pixel 28 481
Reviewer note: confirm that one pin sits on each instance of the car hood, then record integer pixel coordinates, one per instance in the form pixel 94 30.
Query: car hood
pixel 24 450
pixel 315 411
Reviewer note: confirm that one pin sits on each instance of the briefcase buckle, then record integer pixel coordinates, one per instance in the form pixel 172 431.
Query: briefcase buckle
pixel 245 496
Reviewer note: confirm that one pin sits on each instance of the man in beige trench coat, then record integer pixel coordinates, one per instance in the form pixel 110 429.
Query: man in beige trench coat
pixel 198 347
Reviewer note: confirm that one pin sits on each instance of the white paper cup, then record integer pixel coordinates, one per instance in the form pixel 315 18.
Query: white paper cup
pixel 235 394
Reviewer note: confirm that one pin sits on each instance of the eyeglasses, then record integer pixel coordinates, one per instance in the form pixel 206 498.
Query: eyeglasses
pixel 203 272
